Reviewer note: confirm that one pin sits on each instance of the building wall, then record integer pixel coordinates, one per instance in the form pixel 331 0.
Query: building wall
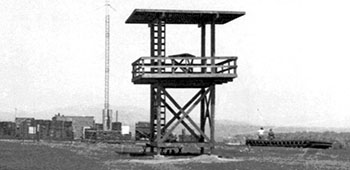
pixel 78 123
pixel 29 128
pixel 7 130
pixel 142 130
pixel 22 127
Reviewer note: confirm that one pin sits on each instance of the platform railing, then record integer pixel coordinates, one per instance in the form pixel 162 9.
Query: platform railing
pixel 184 65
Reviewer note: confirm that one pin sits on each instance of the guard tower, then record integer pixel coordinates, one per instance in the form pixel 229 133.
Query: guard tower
pixel 182 71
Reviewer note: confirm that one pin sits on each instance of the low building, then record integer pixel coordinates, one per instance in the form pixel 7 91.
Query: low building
pixel 142 130
pixel 98 126
pixel 117 126
pixel 79 123
pixel 7 130
pixel 25 127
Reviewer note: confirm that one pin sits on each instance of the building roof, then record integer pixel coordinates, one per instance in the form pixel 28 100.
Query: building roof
pixel 146 16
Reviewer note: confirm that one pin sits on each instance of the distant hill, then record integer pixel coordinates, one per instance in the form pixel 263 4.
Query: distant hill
pixel 129 115
pixel 227 128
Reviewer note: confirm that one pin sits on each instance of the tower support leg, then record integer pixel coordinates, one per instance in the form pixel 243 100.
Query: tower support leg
pixel 202 119
pixel 158 102
pixel 161 132
pixel 152 118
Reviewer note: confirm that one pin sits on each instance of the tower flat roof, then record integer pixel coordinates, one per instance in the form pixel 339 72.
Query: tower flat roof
pixel 147 16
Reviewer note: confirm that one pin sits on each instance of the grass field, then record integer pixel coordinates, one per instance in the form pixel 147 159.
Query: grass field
pixel 19 155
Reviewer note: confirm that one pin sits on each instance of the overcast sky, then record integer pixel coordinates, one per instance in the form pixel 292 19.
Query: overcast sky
pixel 293 57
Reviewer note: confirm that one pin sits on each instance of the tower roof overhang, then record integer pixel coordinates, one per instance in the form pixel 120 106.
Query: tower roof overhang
pixel 148 16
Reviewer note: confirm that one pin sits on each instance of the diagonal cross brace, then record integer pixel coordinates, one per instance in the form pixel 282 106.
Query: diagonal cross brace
pixel 177 115
pixel 207 102
pixel 185 115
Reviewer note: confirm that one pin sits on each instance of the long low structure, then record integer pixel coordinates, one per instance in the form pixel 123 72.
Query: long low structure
pixel 289 143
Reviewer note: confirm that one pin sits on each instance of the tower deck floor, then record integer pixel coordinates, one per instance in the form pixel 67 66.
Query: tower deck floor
pixel 183 80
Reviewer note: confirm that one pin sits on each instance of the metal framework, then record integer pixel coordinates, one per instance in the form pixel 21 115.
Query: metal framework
pixel 107 112
pixel 182 71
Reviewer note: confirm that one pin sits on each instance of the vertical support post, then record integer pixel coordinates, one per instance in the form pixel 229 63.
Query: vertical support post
pixel 152 109
pixel 235 67
pixel 204 70
pixel 159 44
pixel 212 52
pixel 152 50
pixel 212 114
pixel 203 61
pixel 202 118
pixel 158 102
pixel 151 27
pixel 152 117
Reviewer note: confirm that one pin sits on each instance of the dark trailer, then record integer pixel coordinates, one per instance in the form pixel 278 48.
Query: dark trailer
pixel 289 143
pixel 182 71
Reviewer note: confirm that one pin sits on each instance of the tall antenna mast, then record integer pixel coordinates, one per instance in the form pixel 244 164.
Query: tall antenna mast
pixel 107 112
pixel 107 56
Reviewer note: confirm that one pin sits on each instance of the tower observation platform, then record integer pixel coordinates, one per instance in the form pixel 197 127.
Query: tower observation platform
pixel 182 71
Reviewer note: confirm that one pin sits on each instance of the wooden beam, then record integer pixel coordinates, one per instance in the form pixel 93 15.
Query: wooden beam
pixel 205 111
pixel 224 62
pixel 152 116
pixel 197 128
pixel 178 106
pixel 212 110
pixel 159 44
pixel 152 112
pixel 189 118
pixel 212 45
pixel 227 69
pixel 151 26
pixel 185 114
pixel 203 47
pixel 170 75
pixel 177 116
pixel 202 117
pixel 158 100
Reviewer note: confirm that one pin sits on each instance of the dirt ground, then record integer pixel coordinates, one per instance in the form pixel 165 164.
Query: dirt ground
pixel 18 155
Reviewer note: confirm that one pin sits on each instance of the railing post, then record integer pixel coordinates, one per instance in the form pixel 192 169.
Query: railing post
pixel 186 62
pixel 133 70
pixel 229 70
pixel 143 66
pixel 173 66
pixel 235 66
